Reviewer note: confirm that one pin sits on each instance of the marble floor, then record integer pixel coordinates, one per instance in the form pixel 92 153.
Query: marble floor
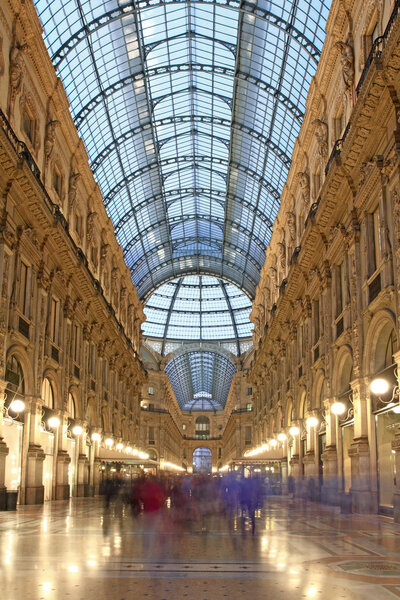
pixel 76 550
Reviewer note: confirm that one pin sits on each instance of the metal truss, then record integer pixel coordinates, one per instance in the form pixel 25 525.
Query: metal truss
pixel 235 126
pixel 179 193
pixel 198 160
pixel 193 67
pixel 130 8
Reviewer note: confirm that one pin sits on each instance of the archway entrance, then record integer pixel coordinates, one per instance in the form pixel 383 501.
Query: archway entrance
pixel 202 461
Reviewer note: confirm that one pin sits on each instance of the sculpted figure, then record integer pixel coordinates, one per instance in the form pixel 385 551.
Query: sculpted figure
pixel 291 224
pixel 304 181
pixel 50 138
pixel 73 187
pixel 347 62
pixel 321 133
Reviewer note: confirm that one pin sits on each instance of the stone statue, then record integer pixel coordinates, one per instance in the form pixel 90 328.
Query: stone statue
pixel 50 138
pixel 304 181
pixel 347 62
pixel 321 133
pixel 2 66
pixel 16 72
pixel 73 187
pixel 90 226
pixel 282 254
pixel 291 224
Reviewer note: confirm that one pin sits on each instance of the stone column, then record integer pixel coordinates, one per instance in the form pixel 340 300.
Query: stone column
pixel 329 490
pixel 284 472
pixel 359 452
pixel 396 496
pixel 3 451
pixel 63 461
pixel 310 460
pixel 82 466
pixel 32 488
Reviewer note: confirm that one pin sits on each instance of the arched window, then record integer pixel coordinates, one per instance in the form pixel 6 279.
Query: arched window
pixel 15 380
pixel 47 393
pixel 202 426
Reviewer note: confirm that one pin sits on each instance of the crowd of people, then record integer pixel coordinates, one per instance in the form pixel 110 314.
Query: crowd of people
pixel 188 500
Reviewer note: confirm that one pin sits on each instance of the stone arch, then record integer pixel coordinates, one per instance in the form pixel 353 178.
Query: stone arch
pixel 301 403
pixel 342 372
pixel 76 395
pixel 51 375
pixel 381 327
pixel 289 412
pixel 22 357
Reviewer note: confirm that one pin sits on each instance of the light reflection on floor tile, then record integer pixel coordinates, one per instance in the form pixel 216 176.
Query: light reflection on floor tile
pixel 75 550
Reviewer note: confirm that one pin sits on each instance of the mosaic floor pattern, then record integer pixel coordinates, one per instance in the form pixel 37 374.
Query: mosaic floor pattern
pixel 76 550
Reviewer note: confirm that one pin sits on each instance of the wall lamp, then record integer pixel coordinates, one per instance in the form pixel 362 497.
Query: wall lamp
pixel 14 409
pixel 379 387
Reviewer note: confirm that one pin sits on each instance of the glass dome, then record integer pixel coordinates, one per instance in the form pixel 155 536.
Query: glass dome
pixel 198 308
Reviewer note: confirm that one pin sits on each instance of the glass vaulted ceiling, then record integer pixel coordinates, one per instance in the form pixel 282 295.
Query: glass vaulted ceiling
pixel 189 112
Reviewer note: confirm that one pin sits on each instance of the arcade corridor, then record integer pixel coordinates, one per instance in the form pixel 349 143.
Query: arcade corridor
pixel 74 549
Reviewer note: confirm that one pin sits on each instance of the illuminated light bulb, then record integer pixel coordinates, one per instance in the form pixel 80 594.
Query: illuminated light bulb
pixel 53 422
pixel 128 450
pixel 135 451
pixel 77 430
pixel 119 446
pixel 17 406
pixel 338 408
pixel 312 421
pixel 96 437
pixel 273 443
pixel 396 409
pixel 264 447
pixel 281 437
pixel 294 431
pixel 143 455
pixel 379 386
pixel 109 442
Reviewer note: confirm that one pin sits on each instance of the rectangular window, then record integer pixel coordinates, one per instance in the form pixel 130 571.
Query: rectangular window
pixel 57 181
pixel 78 224
pixel 77 344
pixel 92 360
pixel 249 406
pixel 374 242
pixel 317 327
pixel 151 435
pixel 249 391
pixel 24 281
pixel 105 373
pixel 151 391
pixel 28 125
pixel 340 289
pixel 54 321
pixel 247 435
